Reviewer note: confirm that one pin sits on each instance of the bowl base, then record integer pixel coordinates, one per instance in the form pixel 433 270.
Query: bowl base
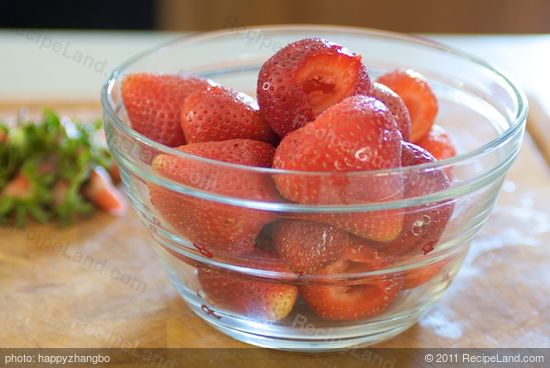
pixel 299 332
pixel 302 330
pixel 304 345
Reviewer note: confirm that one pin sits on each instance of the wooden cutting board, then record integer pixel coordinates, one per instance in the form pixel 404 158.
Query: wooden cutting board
pixel 98 284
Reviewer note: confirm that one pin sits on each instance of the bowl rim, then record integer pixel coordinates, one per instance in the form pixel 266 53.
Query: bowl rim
pixel 515 124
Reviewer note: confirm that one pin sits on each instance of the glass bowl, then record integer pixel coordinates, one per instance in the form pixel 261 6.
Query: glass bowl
pixel 370 289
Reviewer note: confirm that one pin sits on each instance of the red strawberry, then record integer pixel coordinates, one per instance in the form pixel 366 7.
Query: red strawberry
pixel 153 103
pixel 249 295
pixel 357 134
pixel 213 225
pixel 423 225
pixel 306 77
pixel 379 226
pixel 417 276
pixel 438 143
pixel 421 102
pixel 397 107
pixel 219 114
pixel 354 299
pixel 308 246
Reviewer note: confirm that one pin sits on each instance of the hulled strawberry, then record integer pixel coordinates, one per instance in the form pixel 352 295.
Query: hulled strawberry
pixel 209 224
pixel 397 107
pixel 438 143
pixel 255 297
pixel 357 134
pixel 218 114
pixel 308 246
pixel 306 77
pixel 422 225
pixel 358 297
pixel 153 103
pixel 417 94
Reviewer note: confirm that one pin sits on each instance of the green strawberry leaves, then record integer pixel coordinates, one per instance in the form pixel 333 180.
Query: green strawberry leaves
pixel 43 167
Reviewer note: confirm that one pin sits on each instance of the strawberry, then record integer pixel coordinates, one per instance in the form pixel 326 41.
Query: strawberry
pixel 418 276
pixel 306 77
pixel 438 143
pixel 209 224
pixel 379 226
pixel 421 102
pixel 357 299
pixel 422 225
pixel 308 246
pixel 397 107
pixel 101 191
pixel 153 103
pixel 251 296
pixel 357 134
pixel 218 114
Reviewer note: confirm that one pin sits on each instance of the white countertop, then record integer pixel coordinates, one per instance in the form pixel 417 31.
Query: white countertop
pixel 47 65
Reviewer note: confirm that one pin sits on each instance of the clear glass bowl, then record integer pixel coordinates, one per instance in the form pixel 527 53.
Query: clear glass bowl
pixel 483 111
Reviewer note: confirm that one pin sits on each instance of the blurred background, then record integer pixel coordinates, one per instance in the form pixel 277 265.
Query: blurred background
pixel 439 16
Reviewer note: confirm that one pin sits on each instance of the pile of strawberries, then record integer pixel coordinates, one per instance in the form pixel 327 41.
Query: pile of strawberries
pixel 317 110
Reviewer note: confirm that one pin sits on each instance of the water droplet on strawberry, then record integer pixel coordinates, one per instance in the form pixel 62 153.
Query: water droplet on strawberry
pixel 362 154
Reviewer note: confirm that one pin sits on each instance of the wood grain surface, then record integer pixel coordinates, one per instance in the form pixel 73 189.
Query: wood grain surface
pixel 98 284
